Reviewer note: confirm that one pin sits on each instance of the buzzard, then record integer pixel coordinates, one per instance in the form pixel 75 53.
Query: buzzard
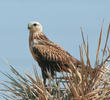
pixel 50 56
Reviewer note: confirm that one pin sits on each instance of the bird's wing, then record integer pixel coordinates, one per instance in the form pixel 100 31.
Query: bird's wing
pixel 53 52
pixel 50 44
pixel 50 51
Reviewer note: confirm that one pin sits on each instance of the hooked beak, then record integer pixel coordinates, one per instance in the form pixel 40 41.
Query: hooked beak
pixel 29 26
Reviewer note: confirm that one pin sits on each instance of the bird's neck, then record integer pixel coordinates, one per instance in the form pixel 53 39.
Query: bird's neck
pixel 37 36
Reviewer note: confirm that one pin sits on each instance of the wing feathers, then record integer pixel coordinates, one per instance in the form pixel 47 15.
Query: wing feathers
pixel 54 55
pixel 51 53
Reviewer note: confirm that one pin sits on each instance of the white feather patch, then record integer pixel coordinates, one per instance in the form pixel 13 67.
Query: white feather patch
pixel 34 42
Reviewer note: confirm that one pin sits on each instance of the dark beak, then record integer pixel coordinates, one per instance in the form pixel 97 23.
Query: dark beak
pixel 29 26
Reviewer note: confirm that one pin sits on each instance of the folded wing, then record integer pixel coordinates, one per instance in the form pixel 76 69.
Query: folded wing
pixel 52 57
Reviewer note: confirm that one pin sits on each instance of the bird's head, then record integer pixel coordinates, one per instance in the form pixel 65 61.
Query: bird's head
pixel 35 27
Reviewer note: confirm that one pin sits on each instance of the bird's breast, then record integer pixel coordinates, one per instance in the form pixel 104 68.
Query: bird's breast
pixel 31 45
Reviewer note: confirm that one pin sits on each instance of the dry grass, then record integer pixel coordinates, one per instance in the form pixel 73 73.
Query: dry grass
pixel 84 83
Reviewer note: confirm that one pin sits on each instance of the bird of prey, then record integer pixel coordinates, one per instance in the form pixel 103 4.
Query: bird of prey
pixel 50 56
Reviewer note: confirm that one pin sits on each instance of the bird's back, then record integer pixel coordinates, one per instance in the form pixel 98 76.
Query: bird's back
pixel 50 55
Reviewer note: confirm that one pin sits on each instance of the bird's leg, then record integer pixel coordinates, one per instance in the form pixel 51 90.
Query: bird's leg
pixel 44 80
pixel 44 77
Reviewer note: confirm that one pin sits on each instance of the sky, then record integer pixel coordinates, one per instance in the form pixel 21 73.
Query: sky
pixel 61 21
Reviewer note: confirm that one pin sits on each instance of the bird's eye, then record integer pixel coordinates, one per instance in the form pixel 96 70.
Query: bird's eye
pixel 35 24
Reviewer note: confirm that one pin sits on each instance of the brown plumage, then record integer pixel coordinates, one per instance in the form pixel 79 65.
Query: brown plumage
pixel 50 56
